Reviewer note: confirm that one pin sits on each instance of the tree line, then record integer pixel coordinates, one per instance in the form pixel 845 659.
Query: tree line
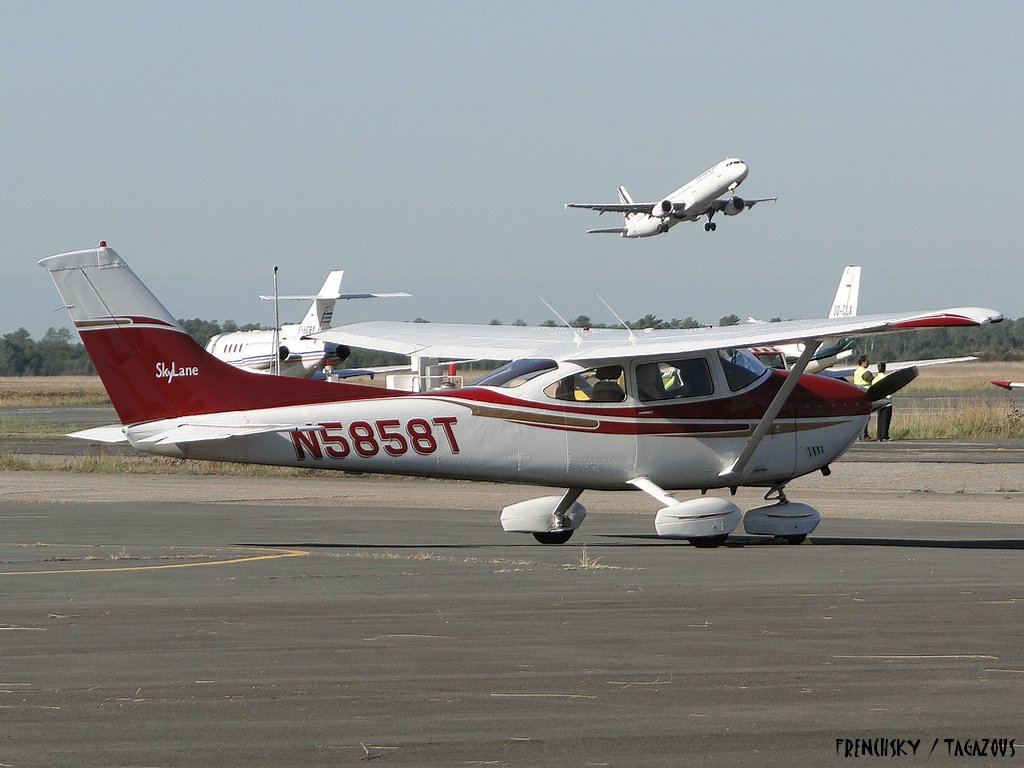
pixel 58 354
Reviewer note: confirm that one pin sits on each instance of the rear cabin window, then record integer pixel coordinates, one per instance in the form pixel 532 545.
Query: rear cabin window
pixel 515 373
pixel 598 385
pixel 674 379
pixel 741 368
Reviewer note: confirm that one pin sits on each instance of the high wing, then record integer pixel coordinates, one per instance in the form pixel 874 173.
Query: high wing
pixel 497 342
pixel 723 202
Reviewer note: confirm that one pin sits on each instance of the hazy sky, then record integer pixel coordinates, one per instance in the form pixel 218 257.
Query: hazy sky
pixel 429 147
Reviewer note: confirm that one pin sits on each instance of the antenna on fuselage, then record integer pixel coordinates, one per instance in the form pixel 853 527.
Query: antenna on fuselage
pixel 575 334
pixel 632 336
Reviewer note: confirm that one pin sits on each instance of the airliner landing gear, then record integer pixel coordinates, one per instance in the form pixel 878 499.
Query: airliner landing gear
pixel 710 226
pixel 785 519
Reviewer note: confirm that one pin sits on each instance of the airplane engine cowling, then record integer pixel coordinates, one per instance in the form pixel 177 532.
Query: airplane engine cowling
pixel 662 209
pixel 734 206
pixel 282 353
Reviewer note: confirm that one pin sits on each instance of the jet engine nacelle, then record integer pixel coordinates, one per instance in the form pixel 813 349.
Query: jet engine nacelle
pixel 538 516
pixel 698 518
pixel 336 352
pixel 734 206
pixel 282 353
pixel 662 209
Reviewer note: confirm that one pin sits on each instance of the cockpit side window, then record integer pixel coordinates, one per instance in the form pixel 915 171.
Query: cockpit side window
pixel 741 368
pixel 598 385
pixel 674 379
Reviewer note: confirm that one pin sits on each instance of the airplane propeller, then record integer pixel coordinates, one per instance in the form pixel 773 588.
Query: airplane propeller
pixel 892 383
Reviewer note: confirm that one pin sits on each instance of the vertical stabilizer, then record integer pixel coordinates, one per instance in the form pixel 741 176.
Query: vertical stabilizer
pixel 318 317
pixel 151 368
pixel 845 302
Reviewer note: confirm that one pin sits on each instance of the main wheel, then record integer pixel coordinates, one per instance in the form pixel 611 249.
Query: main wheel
pixel 797 538
pixel 554 537
pixel 713 226
pixel 707 227
pixel 706 542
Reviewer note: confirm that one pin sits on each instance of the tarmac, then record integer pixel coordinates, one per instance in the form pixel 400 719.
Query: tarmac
pixel 179 620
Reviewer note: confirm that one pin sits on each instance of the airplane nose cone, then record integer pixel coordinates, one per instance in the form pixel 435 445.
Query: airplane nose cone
pixel 742 172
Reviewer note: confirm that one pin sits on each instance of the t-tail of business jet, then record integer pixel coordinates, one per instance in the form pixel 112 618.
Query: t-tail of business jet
pixel 704 196
pixel 289 352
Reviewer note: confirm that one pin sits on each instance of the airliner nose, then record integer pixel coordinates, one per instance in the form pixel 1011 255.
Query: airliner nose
pixel 741 171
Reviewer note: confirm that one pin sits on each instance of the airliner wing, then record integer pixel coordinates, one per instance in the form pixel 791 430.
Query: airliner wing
pixel 498 342
pixel 614 207
pixel 722 202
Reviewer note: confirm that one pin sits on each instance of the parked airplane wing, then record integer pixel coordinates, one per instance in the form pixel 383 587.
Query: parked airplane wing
pixel 497 342
pixel 898 365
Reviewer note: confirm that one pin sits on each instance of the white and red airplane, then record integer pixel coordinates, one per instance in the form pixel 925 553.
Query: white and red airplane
pixel 698 197
pixel 289 351
pixel 610 410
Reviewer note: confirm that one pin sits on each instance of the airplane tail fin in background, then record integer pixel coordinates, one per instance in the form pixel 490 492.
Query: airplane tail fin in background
pixel 845 302
pixel 322 309
pixel 151 368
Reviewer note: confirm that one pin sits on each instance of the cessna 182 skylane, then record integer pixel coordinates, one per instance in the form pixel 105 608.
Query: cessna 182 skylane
pixel 289 351
pixel 611 410
pixel 698 197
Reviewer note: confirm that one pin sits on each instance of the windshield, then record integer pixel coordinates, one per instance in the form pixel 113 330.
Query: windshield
pixel 515 373
pixel 741 368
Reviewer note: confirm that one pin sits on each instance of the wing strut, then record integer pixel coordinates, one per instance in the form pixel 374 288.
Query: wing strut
pixel 810 346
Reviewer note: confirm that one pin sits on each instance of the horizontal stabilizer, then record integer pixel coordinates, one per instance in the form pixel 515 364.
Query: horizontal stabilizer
pixel 335 297
pixel 111 434
pixel 196 433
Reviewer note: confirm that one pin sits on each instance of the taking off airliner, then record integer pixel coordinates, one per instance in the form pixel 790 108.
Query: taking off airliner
pixel 700 197
pixel 607 409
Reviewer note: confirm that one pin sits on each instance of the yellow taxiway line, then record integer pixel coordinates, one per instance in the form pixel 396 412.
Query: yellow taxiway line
pixel 278 554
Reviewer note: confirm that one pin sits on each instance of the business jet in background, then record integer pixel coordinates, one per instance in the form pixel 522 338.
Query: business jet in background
pixel 261 350
pixel 703 196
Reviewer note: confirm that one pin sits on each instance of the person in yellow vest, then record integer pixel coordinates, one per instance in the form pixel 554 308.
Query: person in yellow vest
pixel 862 378
pixel 885 413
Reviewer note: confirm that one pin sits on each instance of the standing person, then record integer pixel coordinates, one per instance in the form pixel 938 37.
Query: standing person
pixel 862 378
pixel 884 413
